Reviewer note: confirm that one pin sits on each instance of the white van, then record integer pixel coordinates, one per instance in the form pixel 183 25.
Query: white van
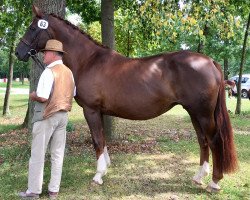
pixel 245 84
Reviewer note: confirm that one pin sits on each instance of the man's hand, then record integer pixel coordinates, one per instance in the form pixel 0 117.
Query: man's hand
pixel 34 97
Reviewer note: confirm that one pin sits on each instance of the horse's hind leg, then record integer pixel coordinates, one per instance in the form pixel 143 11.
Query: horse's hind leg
pixel 208 131
pixel 204 153
pixel 95 122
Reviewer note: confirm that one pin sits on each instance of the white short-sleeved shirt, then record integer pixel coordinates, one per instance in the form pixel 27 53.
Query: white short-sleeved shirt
pixel 46 81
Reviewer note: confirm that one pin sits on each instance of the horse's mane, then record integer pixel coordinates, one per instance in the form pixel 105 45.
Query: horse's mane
pixel 80 30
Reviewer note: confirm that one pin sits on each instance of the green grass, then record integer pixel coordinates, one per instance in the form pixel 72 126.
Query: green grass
pixel 18 107
pixel 153 159
pixel 16 84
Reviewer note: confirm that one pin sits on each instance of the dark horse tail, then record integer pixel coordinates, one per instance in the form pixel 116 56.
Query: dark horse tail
pixel 223 141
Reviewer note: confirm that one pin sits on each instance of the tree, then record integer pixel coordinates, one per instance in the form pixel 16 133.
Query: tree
pixel 107 22
pixel 108 39
pixel 127 31
pixel 3 62
pixel 243 57
pixel 48 6
pixel 88 10
pixel 6 109
pixel 12 19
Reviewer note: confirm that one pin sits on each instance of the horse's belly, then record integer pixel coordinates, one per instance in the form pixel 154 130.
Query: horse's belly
pixel 139 111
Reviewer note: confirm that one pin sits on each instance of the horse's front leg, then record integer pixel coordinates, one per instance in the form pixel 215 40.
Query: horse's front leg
pixel 95 121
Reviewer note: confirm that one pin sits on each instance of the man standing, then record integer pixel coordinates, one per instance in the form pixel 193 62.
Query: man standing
pixel 53 98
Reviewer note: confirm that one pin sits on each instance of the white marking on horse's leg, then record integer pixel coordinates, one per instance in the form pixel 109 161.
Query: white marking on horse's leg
pixel 98 178
pixel 213 187
pixel 203 171
pixel 106 155
pixel 101 169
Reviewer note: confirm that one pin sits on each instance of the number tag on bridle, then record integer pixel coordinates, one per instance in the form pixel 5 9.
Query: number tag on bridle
pixel 43 24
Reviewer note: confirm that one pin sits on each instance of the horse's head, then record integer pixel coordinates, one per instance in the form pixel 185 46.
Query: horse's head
pixel 36 36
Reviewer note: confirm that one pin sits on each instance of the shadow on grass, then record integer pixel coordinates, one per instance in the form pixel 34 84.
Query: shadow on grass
pixel 131 177
pixel 9 127
pixel 19 106
pixel 14 107
pixel 159 175
pixel 23 99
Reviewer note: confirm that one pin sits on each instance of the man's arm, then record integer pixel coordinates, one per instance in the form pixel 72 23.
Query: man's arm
pixel 34 97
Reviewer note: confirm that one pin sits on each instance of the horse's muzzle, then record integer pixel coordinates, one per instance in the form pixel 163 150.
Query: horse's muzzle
pixel 24 57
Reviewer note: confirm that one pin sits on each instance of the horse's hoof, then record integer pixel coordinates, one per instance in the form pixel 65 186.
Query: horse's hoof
pixel 212 190
pixel 199 183
pixel 95 183
pixel 98 178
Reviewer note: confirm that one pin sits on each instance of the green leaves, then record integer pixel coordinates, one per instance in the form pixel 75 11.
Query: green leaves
pixel 88 10
pixel 14 18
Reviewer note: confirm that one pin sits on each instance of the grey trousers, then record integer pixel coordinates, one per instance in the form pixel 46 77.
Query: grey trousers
pixel 51 130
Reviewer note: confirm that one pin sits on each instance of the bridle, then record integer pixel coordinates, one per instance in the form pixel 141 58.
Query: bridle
pixel 33 55
pixel 33 51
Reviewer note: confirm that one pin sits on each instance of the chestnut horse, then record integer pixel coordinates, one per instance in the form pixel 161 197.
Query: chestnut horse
pixel 229 85
pixel 139 89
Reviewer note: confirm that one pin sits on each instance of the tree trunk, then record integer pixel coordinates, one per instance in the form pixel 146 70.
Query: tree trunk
pixel 128 43
pixel 6 109
pixel 226 71
pixel 201 45
pixel 35 73
pixel 108 39
pixel 48 6
pixel 25 123
pixel 226 68
pixel 243 58
pixel 52 6
pixel 107 22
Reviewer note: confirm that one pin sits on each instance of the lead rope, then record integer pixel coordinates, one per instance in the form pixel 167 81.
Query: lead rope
pixel 33 55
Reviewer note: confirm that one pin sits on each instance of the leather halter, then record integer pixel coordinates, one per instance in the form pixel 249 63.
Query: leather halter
pixel 33 51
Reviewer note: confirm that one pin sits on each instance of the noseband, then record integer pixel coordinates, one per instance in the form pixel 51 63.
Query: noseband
pixel 33 55
pixel 33 51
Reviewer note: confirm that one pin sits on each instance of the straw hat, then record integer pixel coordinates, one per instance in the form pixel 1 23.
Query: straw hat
pixel 54 45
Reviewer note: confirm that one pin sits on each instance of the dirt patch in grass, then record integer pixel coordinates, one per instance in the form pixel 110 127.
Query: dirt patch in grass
pixel 135 138
pixel 149 161
pixel 14 138
pixel 76 142
pixel 1 160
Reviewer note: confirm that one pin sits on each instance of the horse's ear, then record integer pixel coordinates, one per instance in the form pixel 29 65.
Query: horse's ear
pixel 37 11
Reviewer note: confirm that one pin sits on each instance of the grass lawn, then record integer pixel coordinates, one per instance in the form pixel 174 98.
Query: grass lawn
pixel 153 159
pixel 16 84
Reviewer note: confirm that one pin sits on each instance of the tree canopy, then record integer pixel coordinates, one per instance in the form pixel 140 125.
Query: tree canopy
pixel 147 27
pixel 15 16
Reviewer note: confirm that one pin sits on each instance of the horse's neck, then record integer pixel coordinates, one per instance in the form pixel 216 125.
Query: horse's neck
pixel 78 46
